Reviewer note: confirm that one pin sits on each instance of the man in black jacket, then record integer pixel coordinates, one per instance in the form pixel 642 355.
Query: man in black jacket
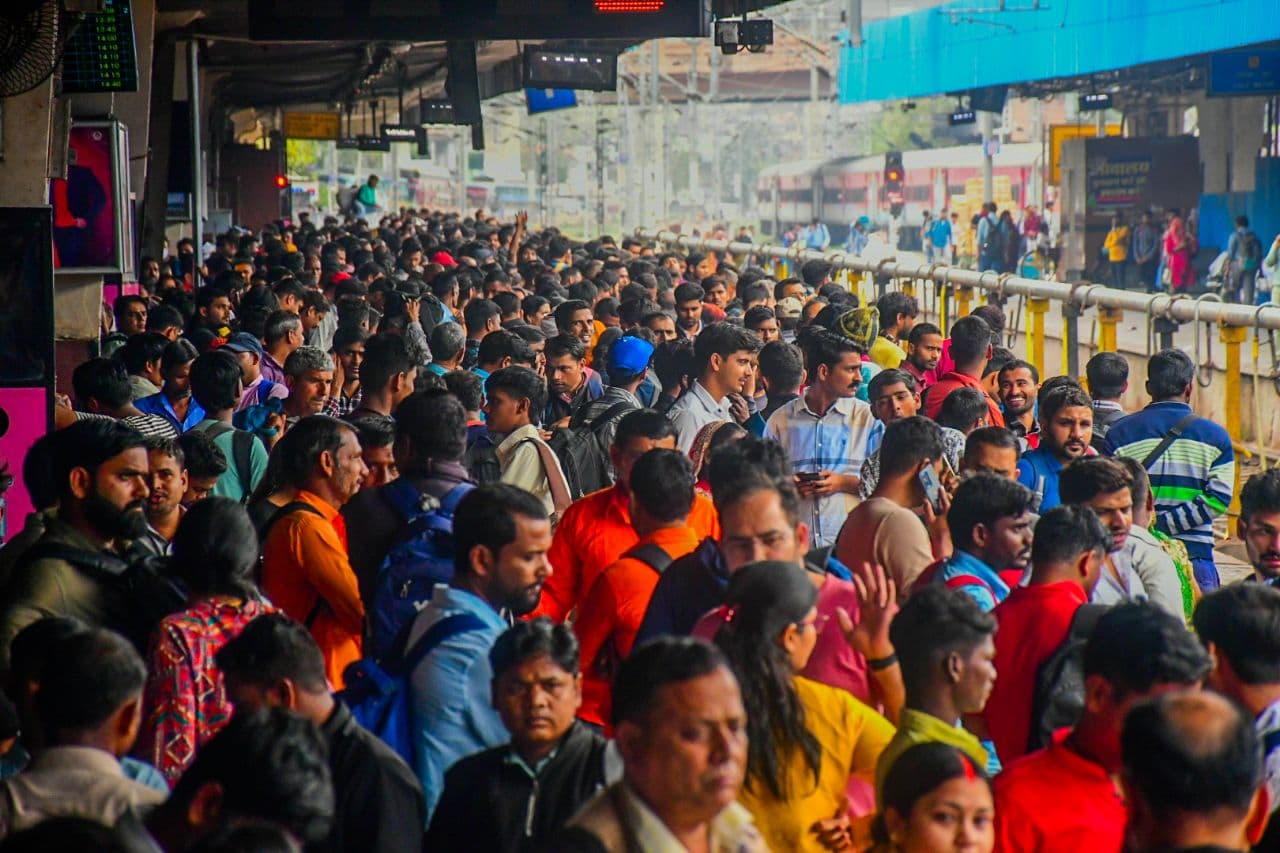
pixel 515 797
pixel 378 804
pixel 75 568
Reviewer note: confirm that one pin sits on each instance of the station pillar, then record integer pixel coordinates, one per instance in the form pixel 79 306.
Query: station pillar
pixel 1233 337
pixel 1108 320
pixel 1036 308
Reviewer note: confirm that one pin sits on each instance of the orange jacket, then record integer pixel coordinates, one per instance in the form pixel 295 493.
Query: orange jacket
pixel 611 614
pixel 593 533
pixel 306 573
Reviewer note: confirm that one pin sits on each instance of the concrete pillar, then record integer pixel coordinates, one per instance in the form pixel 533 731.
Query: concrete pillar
pixel 27 129
pixel 1230 136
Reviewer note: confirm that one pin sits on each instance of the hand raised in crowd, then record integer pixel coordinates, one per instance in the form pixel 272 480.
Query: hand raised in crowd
pixel 877 605
pixel 64 415
pixel 413 309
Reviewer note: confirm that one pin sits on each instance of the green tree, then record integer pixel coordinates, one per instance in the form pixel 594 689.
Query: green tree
pixel 306 157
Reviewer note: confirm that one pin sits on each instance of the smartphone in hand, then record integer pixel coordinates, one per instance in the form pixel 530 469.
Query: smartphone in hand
pixel 932 487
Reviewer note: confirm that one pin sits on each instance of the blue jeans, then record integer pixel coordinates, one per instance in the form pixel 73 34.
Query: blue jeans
pixel 1206 574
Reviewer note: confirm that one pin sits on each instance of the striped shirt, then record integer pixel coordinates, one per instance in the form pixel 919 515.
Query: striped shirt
pixel 1193 479
pixel 835 440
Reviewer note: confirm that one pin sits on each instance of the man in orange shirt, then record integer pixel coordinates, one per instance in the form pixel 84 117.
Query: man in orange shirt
pixel 596 530
pixel 305 568
pixel 662 494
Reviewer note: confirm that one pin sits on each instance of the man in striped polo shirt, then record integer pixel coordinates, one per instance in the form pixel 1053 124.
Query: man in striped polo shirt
pixel 1189 459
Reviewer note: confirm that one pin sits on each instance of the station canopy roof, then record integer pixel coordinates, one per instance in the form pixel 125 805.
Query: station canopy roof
pixel 330 53
pixel 1040 46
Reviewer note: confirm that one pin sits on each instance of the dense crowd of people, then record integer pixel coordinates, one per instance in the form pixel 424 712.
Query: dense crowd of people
pixel 434 533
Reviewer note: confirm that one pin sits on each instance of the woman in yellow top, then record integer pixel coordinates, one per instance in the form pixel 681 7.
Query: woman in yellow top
pixel 805 739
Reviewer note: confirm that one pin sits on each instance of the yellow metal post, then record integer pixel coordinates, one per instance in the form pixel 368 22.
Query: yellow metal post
pixel 1036 308
pixel 782 270
pixel 944 297
pixel 1233 337
pixel 1108 320
pixel 964 297
pixel 909 287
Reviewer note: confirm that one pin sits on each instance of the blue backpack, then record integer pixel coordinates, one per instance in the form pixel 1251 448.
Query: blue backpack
pixel 421 558
pixel 378 696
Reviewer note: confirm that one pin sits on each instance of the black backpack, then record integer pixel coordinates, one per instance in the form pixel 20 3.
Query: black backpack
pixel 1059 694
pixel 994 245
pixel 142 591
pixel 481 460
pixel 607 659
pixel 582 454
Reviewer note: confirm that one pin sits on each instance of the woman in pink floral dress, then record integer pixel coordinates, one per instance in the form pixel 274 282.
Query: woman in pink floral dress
pixel 215 556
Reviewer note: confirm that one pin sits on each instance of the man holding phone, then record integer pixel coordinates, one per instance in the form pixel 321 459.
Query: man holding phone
pixel 825 432
pixel 885 529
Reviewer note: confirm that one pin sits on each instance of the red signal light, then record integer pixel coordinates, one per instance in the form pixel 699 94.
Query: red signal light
pixel 282 181
pixel 893 175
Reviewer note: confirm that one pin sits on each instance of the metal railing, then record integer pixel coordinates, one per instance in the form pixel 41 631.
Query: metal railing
pixel 1164 312
pixel 1082 295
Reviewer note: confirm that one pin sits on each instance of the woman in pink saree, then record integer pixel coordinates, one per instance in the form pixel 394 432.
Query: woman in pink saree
pixel 1179 249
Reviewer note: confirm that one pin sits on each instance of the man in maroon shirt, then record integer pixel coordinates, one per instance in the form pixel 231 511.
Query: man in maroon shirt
pixel 1066 557
pixel 1064 799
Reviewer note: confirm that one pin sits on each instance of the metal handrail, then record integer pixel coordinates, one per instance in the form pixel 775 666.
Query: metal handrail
pixel 1179 310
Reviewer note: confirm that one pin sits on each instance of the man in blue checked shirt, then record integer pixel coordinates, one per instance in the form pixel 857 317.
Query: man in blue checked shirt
pixel 825 433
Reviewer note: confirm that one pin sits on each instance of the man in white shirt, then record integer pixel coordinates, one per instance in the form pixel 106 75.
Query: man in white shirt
pixel 1133 569
pixel 825 432
pixel 675 792
pixel 88 705
pixel 513 395
pixel 725 358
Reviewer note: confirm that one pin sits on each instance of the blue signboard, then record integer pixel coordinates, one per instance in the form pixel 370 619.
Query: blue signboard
pixel 1245 72
pixel 545 100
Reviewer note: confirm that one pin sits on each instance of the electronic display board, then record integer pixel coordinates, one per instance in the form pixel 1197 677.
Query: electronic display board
pixel 100 55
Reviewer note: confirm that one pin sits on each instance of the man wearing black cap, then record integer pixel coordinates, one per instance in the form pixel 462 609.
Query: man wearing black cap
pixel 258 389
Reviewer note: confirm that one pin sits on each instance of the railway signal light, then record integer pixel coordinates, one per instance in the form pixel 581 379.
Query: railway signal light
pixel 893 179
pixel 282 182
pixel 893 171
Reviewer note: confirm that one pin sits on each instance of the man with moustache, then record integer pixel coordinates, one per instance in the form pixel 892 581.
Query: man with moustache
pixel 1018 383
pixel 1259 525
pixel 990 521
pixel 501 535
pixel 74 568
pixel 1106 486
pixel 168 482
pixel 825 432
pixel 1066 430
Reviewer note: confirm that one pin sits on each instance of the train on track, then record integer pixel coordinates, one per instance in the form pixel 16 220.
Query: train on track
pixel 841 190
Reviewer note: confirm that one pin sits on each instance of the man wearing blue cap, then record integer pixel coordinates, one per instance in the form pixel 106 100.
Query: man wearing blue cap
pixel 258 389
pixel 628 365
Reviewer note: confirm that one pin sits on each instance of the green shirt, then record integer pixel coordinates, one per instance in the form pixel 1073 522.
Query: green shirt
pixel 229 484
pixel 916 727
